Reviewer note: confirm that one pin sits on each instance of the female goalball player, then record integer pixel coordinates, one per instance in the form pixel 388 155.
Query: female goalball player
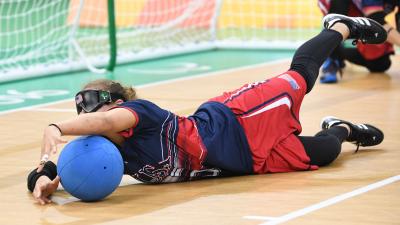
pixel 252 130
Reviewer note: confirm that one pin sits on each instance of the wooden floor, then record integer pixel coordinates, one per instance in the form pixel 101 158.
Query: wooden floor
pixel 339 194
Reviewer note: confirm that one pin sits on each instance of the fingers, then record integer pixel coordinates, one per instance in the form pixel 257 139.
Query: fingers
pixel 51 138
pixel 62 141
pixel 40 168
pixel 42 192
pixel 40 201
pixel 54 145
pixel 53 148
pixel 43 161
pixel 46 200
pixel 37 194
pixel 54 184
pixel 56 180
pixel 43 200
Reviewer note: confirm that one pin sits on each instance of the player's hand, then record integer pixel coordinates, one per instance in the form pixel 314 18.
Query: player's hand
pixel 51 138
pixel 44 187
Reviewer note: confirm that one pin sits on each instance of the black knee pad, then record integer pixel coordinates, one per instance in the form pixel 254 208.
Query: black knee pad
pixel 309 72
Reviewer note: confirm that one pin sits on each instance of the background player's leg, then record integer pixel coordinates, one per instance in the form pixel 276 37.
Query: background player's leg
pixel 325 146
pixel 380 64
pixel 335 62
pixel 340 6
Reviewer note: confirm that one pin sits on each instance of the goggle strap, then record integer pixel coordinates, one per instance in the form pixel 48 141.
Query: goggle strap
pixel 116 96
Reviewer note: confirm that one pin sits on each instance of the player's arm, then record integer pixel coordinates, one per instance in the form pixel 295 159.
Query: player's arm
pixel 393 35
pixel 43 181
pixel 98 123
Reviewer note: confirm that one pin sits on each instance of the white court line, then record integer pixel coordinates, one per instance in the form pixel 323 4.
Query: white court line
pixel 265 218
pixel 216 73
pixel 330 201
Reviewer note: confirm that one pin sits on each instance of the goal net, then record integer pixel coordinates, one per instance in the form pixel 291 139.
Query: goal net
pixel 40 37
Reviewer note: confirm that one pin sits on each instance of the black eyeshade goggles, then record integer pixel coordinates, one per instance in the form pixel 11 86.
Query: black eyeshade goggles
pixel 92 100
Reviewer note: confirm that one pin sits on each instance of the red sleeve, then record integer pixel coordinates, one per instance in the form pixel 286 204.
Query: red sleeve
pixel 128 132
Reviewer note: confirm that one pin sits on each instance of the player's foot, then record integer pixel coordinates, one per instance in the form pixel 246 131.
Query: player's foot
pixel 360 134
pixel 367 30
pixel 330 68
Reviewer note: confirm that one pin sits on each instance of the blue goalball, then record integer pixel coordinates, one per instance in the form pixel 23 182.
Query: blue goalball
pixel 90 168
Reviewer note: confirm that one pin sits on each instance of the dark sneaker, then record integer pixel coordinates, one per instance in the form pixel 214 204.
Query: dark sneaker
pixel 367 30
pixel 330 68
pixel 360 134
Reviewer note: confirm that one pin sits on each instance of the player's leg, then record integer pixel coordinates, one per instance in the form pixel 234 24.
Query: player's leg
pixel 380 64
pixel 359 134
pixel 340 6
pixel 310 56
pixel 335 62
pixel 325 146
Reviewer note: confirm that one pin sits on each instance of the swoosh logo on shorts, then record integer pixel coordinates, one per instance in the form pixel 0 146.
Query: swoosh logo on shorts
pixel 282 101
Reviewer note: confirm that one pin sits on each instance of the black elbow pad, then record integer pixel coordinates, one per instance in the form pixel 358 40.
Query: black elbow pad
pixel 378 17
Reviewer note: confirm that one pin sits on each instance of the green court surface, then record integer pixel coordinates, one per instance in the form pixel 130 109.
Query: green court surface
pixel 31 92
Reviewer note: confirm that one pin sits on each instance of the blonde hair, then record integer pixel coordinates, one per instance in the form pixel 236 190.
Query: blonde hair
pixel 128 92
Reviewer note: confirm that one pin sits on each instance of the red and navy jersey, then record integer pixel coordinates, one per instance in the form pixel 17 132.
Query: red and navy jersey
pixel 163 147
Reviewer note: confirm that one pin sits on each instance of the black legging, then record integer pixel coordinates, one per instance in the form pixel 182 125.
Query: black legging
pixel 309 57
pixel 380 64
pixel 340 6
pixel 325 146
